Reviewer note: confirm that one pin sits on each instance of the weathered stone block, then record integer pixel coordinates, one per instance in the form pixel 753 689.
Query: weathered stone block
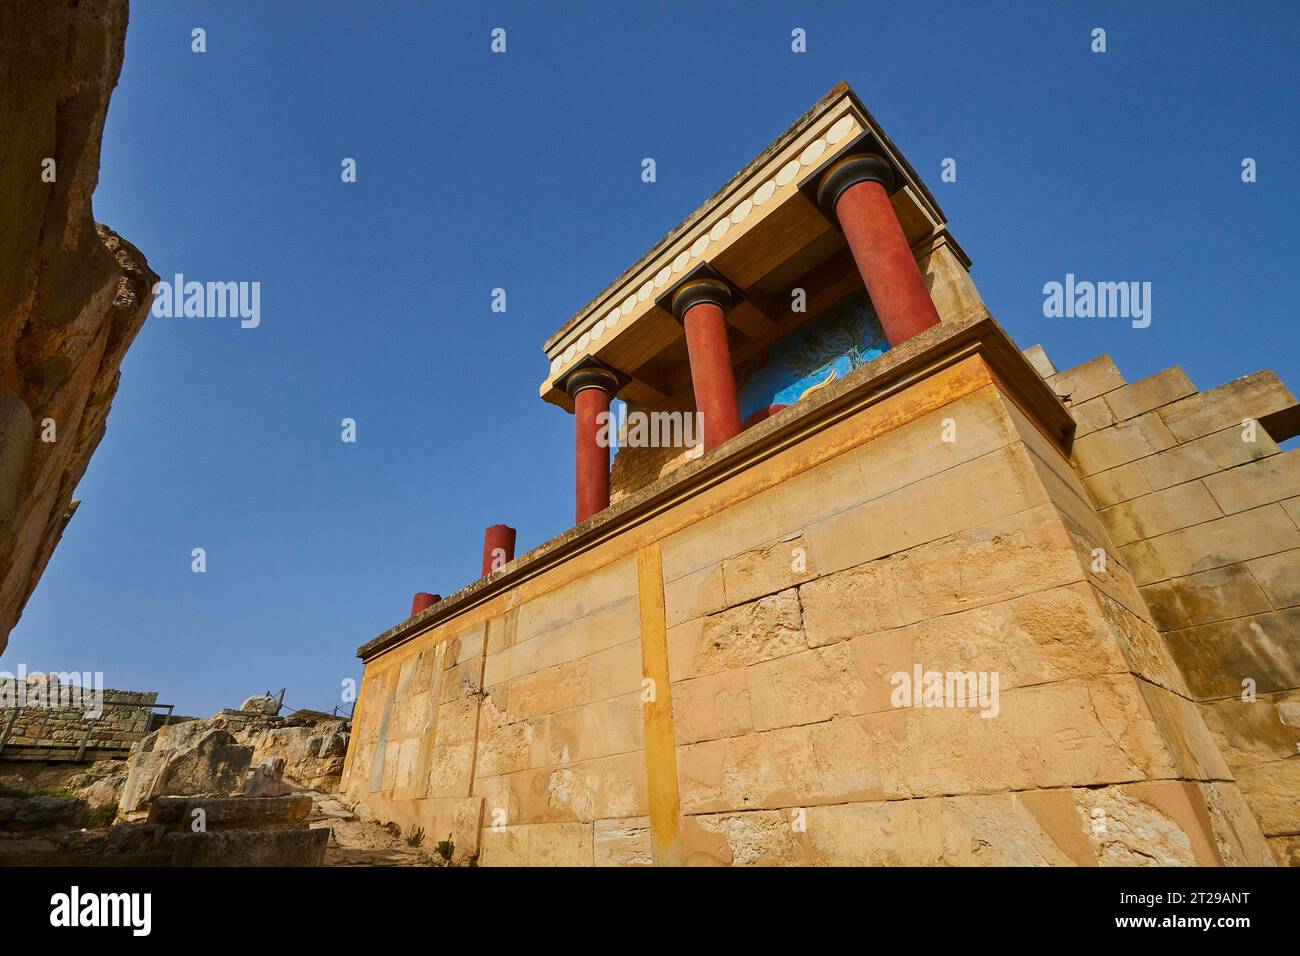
pixel 1161 512
pixel 1067 733
pixel 843 605
pixel 549 690
pixel 997 485
pixel 1149 393
pixel 450 768
pixel 613 624
pixel 1092 416
pixel 25 814
pixel 974 426
pixel 1292 507
pixel 1286 849
pixel 694 595
pixel 595 789
pixel 1229 540
pixel 261 705
pixel 1190 742
pixel 611 584
pixel 747 524
pixel 467 644
pixel 1255 731
pixel 1094 377
pixel 1216 658
pixel 505 746
pixel 267 779
pixel 561 844
pixel 1142 646
pixel 1081 732
pixel 505 846
pixel 1271 789
pixel 1120 444
pixel 622 842
pixel 808 687
pixel 1039 360
pixel 1139 824
pixel 456 720
pixel 984 565
pixel 758 631
pixel 1204 456
pixel 598 729
pixel 1110 487
pixel 1275 478
pixel 1038 638
pixel 1252 396
pixel 1236 832
pixel 212 763
pixel 222 813
pixel 282 847
pixel 762 571
pixel 713 706
pixel 1279 576
pixel 1215 595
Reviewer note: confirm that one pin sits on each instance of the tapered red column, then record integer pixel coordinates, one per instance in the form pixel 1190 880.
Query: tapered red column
pixel 423 601
pixel 855 191
pixel 590 456
pixel 701 306
pixel 592 386
pixel 498 547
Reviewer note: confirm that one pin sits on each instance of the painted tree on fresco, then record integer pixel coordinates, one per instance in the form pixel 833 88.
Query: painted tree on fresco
pixel 849 327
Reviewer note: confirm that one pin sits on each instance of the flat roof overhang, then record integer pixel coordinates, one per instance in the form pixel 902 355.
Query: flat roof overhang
pixel 762 231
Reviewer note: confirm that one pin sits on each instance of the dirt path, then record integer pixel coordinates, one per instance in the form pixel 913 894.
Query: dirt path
pixel 358 843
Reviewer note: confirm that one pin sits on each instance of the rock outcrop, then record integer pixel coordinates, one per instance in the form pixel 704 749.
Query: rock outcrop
pixel 73 294
pixel 214 756
pixel 184 760
pixel 267 779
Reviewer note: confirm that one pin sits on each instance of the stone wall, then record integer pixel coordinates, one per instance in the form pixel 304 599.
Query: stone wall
pixel 714 683
pixel 73 294
pixel 1204 508
pixel 124 720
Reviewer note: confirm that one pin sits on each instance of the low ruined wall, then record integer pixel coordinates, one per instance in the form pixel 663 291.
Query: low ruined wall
pixel 124 719
pixel 1205 509
pixel 718 683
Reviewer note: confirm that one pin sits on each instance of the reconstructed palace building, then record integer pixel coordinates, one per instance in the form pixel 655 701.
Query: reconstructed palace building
pixel 915 598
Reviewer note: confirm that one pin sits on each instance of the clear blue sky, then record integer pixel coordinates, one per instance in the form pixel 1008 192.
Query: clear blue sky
pixel 523 171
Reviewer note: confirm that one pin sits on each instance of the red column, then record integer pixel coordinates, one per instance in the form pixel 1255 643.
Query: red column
pixel 590 454
pixel 856 189
pixel 497 538
pixel 423 601
pixel 701 307
pixel 591 385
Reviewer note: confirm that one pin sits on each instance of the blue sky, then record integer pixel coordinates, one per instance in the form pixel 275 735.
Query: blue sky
pixel 522 171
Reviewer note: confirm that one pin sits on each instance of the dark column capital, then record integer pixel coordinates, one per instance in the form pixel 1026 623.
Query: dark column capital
pixel 849 171
pixel 700 290
pixel 592 373
pixel 702 284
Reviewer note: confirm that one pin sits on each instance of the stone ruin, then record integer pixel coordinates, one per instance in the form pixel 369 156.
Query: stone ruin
pixel 228 790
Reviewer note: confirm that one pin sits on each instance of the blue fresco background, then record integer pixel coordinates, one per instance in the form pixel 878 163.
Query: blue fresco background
pixel 827 347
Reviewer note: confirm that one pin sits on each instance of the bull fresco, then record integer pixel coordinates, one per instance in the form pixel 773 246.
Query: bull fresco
pixel 827 347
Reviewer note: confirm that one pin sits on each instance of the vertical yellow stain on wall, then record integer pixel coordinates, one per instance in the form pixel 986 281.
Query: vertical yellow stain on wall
pixel 660 749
